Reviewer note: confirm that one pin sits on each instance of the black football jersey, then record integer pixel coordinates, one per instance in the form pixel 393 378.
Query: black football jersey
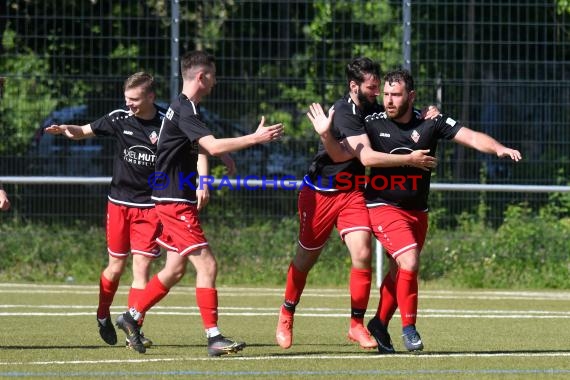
pixel 348 120
pixel 134 157
pixel 405 186
pixel 177 154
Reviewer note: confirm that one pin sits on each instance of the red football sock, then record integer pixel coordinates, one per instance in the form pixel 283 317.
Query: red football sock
pixel 107 290
pixel 296 281
pixel 154 292
pixel 359 285
pixel 407 293
pixel 388 301
pixel 207 301
pixel 134 295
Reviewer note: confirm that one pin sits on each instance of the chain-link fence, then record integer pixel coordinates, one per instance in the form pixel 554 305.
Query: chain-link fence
pixel 499 66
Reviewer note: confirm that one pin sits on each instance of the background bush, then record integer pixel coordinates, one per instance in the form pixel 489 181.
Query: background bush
pixel 529 250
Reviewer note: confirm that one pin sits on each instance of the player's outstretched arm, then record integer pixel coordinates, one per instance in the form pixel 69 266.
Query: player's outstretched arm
pixel 485 144
pixel 362 149
pixel 514 154
pixel 263 134
pixel 74 132
pixel 418 158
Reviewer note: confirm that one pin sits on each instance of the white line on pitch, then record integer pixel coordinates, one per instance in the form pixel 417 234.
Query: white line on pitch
pixel 425 356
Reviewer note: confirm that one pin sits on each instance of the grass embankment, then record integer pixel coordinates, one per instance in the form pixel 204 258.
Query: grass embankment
pixel 527 251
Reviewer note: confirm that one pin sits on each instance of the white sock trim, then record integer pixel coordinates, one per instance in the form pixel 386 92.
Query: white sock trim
pixel 135 314
pixel 212 332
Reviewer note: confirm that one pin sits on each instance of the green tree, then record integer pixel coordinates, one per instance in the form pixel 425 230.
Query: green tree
pixel 26 95
pixel 329 32
pixel 563 6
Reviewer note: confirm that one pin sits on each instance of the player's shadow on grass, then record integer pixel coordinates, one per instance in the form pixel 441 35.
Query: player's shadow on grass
pixel 336 349
pixel 305 349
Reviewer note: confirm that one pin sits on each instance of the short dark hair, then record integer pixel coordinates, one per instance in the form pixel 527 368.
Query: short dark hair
pixel 196 58
pixel 141 79
pixel 359 67
pixel 400 76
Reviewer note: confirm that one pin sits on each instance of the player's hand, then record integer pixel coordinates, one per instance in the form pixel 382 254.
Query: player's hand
pixel 267 134
pixel 420 159
pixel 55 129
pixel 321 122
pixel 70 131
pixel 230 164
pixel 430 112
pixel 514 154
pixel 4 201
pixel 203 197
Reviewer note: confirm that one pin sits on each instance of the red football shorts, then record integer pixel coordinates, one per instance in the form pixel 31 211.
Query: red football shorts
pixel 132 229
pixel 181 230
pixel 399 230
pixel 320 211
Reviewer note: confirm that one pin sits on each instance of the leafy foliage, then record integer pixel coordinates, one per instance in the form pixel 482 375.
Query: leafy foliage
pixel 563 6
pixel 529 250
pixel 326 32
pixel 29 93
pixel 26 95
pixel 31 253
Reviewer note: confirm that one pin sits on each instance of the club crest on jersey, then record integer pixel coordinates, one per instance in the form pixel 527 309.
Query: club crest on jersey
pixel 415 136
pixel 153 137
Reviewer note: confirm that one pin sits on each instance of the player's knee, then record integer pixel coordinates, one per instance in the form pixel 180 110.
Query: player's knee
pixel 361 263
pixel 177 276
pixel 361 256
pixel 209 269
pixel 177 272
pixel 113 271
pixel 409 261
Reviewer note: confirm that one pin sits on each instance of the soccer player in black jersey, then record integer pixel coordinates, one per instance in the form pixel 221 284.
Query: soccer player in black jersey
pixel 132 222
pixel 397 197
pixel 182 137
